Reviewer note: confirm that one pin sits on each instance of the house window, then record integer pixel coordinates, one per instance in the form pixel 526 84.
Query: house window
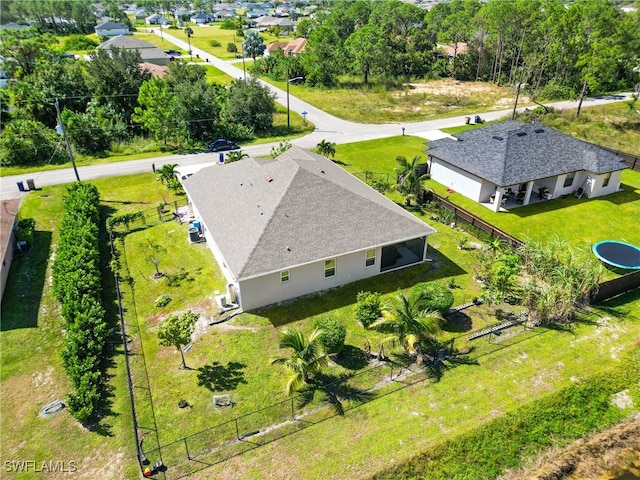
pixel 330 268
pixel 284 276
pixel 370 256
pixel 568 180
pixel 606 180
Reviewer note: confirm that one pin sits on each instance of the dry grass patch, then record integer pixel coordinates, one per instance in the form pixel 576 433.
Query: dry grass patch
pixel 595 457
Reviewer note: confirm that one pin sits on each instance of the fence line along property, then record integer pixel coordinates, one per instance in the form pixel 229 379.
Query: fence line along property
pixel 254 429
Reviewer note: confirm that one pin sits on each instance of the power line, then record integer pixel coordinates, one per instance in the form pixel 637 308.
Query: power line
pixel 134 125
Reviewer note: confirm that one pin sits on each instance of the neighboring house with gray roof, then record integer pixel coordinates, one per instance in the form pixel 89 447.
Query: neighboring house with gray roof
pixel 489 163
pixel 149 52
pixel 111 29
pixel 156 19
pixel 298 225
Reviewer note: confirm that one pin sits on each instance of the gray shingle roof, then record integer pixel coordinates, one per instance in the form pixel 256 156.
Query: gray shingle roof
pixel 147 50
pixel 310 205
pixel 511 152
pixel 109 25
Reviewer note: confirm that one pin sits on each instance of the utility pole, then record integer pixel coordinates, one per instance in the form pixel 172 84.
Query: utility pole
pixel 515 105
pixel 63 132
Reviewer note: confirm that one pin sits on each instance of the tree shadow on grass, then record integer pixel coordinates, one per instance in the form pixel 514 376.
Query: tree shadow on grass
pixel 176 279
pixel 618 306
pixel 457 322
pixel 438 367
pixel 217 377
pixel 352 358
pixel 333 390
pixel 23 292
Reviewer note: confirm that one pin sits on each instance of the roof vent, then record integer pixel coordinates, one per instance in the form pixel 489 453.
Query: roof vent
pixel 521 134
pixel 288 249
pixel 539 130
pixel 269 179
pixel 320 170
pixel 497 137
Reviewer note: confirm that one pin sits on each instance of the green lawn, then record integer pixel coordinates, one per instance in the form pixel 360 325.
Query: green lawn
pixel 234 357
pixel 203 35
pixel 590 219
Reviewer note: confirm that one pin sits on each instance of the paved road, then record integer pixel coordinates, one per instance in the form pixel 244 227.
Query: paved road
pixel 328 127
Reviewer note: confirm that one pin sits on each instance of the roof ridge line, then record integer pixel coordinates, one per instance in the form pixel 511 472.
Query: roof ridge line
pixel 275 208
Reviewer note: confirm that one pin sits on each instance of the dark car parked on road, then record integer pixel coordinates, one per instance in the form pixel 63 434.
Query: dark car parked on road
pixel 222 144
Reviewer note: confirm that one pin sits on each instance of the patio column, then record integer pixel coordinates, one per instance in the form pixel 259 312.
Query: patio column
pixel 498 200
pixel 527 195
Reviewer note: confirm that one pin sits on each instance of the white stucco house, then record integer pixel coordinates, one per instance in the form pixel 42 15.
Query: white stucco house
pixel 111 29
pixel 511 163
pixel 156 19
pixel 202 18
pixel 298 225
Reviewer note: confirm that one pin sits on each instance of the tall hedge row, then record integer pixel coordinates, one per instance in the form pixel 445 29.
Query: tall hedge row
pixel 77 285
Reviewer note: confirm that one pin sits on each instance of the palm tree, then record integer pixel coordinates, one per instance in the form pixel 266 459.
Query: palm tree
pixel 236 155
pixel 188 32
pixel 167 173
pixel 409 324
pixel 306 359
pixel 409 183
pixel 253 44
pixel 328 149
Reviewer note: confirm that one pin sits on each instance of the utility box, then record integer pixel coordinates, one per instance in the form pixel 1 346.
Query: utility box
pixel 31 184
pixel 21 186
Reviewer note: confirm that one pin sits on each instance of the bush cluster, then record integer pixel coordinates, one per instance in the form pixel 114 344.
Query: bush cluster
pixel 438 298
pixel 333 335
pixel 162 301
pixel 24 230
pixel 368 308
pixel 77 284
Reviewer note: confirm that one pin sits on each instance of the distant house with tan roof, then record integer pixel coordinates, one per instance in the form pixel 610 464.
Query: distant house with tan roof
pixel 452 51
pixel 159 71
pixel 293 47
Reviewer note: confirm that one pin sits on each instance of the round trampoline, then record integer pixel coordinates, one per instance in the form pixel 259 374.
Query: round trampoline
pixel 618 254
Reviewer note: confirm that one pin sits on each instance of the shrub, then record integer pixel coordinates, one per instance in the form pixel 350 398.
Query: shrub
pixel 438 297
pixel 214 43
pixel 162 301
pixel 228 24
pixel 368 308
pixel 79 42
pixel 333 334
pixel 24 230
pixel 232 47
pixel 380 185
